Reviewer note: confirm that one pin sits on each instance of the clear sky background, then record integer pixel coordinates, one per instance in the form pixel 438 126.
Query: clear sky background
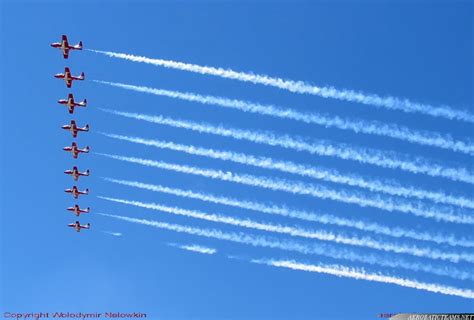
pixel 421 51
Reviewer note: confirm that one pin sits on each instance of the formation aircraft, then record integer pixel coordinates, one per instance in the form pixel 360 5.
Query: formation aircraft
pixel 65 47
pixel 71 103
pixel 68 77
pixel 77 210
pixel 75 173
pixel 74 129
pixel 77 226
pixel 76 192
pixel 75 150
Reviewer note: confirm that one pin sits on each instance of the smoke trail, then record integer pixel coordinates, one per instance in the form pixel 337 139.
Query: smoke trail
pixel 194 248
pixel 313 190
pixel 115 234
pixel 302 170
pixel 361 274
pixel 358 126
pixel 323 250
pixel 295 231
pixel 302 215
pixel 322 148
pixel 301 87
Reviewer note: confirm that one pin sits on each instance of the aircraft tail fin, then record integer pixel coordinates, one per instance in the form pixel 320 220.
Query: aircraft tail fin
pixel 79 46
pixel 83 76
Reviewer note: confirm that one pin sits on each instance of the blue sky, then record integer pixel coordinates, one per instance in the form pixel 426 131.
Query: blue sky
pixel 421 51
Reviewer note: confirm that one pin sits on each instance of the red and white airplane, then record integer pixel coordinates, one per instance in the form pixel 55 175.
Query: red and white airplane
pixel 68 77
pixel 77 210
pixel 71 104
pixel 74 129
pixel 75 150
pixel 76 192
pixel 77 226
pixel 75 173
pixel 65 47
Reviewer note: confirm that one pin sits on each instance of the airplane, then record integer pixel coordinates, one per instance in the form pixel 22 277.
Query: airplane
pixel 75 150
pixel 77 226
pixel 77 210
pixel 65 47
pixel 71 104
pixel 68 77
pixel 76 173
pixel 76 192
pixel 74 129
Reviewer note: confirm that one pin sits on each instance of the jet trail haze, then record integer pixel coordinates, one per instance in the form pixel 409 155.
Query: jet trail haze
pixel 302 215
pixel 297 231
pixel 324 250
pixel 347 272
pixel 319 147
pixel 301 87
pixel 302 170
pixel 358 126
pixel 296 187
pixel 194 248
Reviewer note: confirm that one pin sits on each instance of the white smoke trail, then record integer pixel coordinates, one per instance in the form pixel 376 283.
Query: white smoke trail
pixel 296 187
pixel 115 234
pixel 305 88
pixel 322 148
pixel 323 250
pixel 302 170
pixel 302 215
pixel 296 231
pixel 358 126
pixel 194 248
pixel 361 274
